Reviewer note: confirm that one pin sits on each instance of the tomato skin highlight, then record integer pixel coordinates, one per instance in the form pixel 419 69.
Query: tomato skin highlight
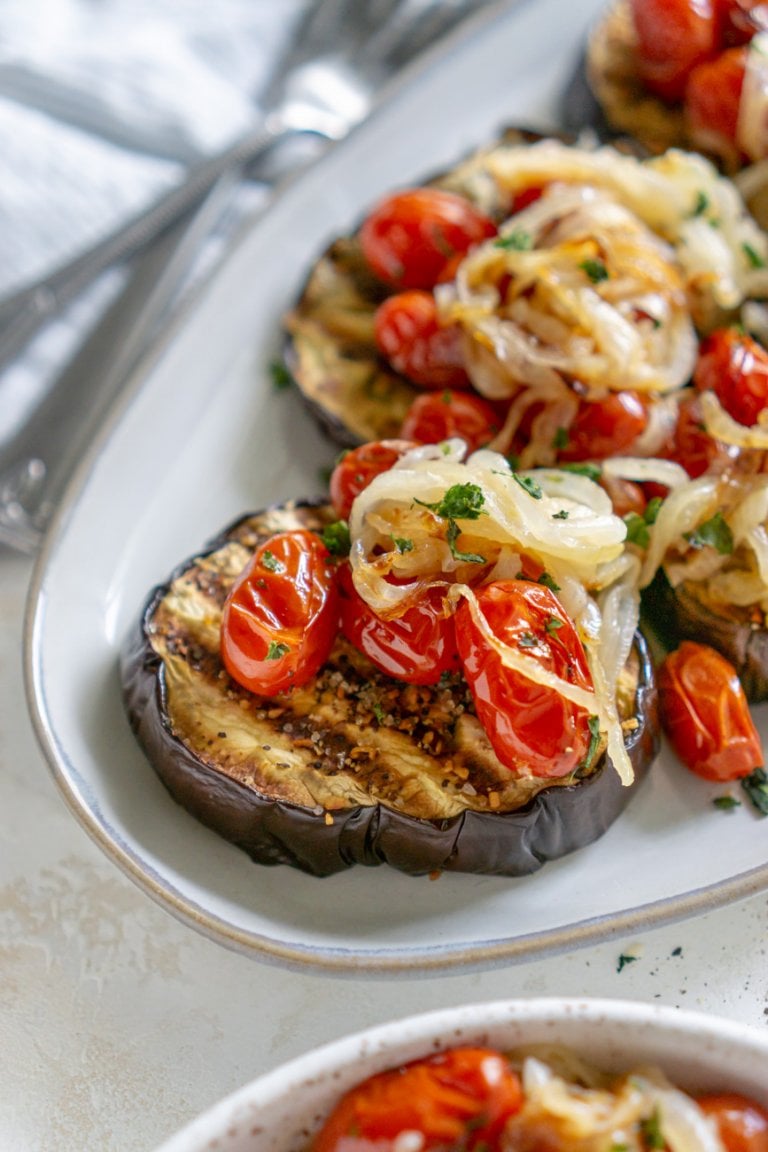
pixel 741 1123
pixel 673 37
pixel 605 427
pixel 693 447
pixel 461 1098
pixel 437 416
pixel 358 467
pixel 410 336
pixel 532 728
pixel 411 236
pixel 734 367
pixel 416 647
pixel 285 598
pixel 705 714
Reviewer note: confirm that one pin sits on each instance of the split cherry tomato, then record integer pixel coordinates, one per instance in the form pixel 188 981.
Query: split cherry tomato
pixel 281 616
pixel 410 336
pixel 712 98
pixel 460 1099
pixel 416 647
pixel 735 368
pixel 673 36
pixel 437 416
pixel 358 467
pixel 741 1123
pixel 705 713
pixel 692 446
pixel 532 728
pixel 410 237
pixel 605 427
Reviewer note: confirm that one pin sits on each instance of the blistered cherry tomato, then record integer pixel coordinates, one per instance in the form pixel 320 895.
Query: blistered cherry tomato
pixel 692 446
pixel 410 336
pixel 416 647
pixel 281 616
pixel 358 467
pixel 735 368
pixel 459 1099
pixel 742 1124
pixel 605 427
pixel 739 20
pixel 532 728
pixel 626 496
pixel 705 713
pixel 410 237
pixel 437 416
pixel 672 37
pixel 712 98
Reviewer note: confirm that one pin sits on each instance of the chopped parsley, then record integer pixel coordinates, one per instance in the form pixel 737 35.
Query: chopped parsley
pixel 527 640
pixel 713 533
pixel 402 544
pixel 460 502
pixel 276 651
pixel 637 525
pixel 652 1133
pixel 591 471
pixel 271 562
pixel 756 787
pixel 595 269
pixel 561 515
pixel 625 959
pixel 378 712
pixel 529 484
pixel 548 582
pixel 553 626
pixel 593 724
pixel 281 377
pixel 726 803
pixel 336 538
pixel 518 240
pixel 560 439
pixel 452 534
pixel 754 259
pixel 701 205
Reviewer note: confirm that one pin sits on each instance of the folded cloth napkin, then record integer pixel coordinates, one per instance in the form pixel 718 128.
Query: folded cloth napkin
pixel 102 104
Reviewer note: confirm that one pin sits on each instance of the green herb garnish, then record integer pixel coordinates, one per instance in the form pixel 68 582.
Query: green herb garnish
pixel 726 803
pixel 271 562
pixel 529 484
pixel 527 640
pixel 593 723
pixel 548 582
pixel 402 544
pixel 560 439
pixel 701 205
pixel 460 502
pixel 595 269
pixel 452 534
pixel 281 377
pixel 713 533
pixel 275 650
pixel 336 538
pixel 756 787
pixel 591 471
pixel 519 240
pixel 652 1133
pixel 625 959
pixel 561 515
pixel 553 626
pixel 754 259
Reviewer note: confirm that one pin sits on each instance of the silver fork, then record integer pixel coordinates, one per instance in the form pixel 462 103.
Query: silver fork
pixel 342 53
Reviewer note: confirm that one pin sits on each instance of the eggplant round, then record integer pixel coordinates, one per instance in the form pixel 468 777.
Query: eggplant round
pixel 682 614
pixel 353 768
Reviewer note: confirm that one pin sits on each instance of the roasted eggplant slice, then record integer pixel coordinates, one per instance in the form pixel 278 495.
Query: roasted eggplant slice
pixel 682 614
pixel 353 767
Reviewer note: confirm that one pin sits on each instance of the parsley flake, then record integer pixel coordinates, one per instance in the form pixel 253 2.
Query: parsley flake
pixel 336 538
pixel 281 377
pixel 754 259
pixel 595 269
pixel 529 484
pixel 276 651
pixel 625 959
pixel 726 803
pixel 451 536
pixel 652 1133
pixel 527 640
pixel 560 439
pixel 271 562
pixel 637 530
pixel 593 723
pixel 518 240
pixel 402 544
pixel 701 205
pixel 553 625
pixel 460 502
pixel 591 471
pixel 713 533
pixel 561 515
pixel 548 582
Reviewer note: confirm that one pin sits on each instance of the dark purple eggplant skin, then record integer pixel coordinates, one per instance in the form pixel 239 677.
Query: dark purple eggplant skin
pixel 558 821
pixel 677 614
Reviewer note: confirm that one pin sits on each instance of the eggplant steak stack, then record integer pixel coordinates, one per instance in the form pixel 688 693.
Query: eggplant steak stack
pixel 582 307
pixel 439 670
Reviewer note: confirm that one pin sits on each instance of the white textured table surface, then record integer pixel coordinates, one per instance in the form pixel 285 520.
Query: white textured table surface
pixel 118 1024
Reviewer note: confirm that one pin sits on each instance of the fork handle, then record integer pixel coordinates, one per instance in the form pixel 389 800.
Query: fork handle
pixel 22 314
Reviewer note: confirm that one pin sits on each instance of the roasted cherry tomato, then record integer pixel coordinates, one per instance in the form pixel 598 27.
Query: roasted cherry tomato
pixel 437 416
pixel 705 713
pixel 735 368
pixel 692 446
pixel 712 98
pixel 281 616
pixel 626 496
pixel 410 237
pixel 411 337
pixel 533 729
pixel 358 467
pixel 741 1123
pixel 673 36
pixel 459 1099
pixel 416 647
pixel 605 427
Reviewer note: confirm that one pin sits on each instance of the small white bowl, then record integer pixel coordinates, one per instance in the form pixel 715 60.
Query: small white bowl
pixel 280 1111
